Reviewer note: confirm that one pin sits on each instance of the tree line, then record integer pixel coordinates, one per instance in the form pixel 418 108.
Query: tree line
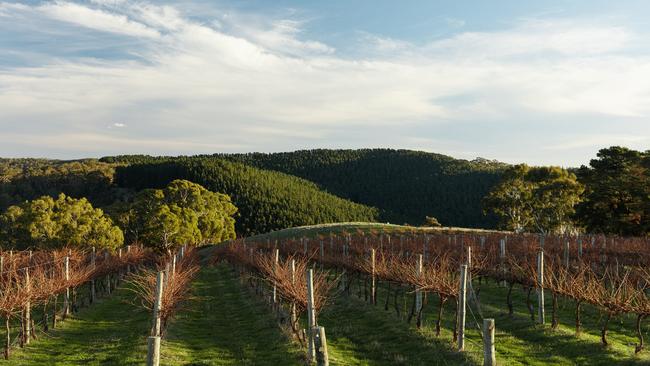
pixel 611 196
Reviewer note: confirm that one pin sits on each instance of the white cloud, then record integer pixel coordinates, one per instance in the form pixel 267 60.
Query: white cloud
pixel 96 19
pixel 243 84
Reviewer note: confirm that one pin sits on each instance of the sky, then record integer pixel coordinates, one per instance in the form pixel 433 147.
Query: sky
pixel 541 82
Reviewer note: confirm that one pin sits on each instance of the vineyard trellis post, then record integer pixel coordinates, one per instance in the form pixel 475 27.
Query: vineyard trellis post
pixel 322 252
pixel 157 305
pixel 462 302
pixel 153 351
pixel 293 282
pixel 322 356
pixel 502 260
pixel 580 248
pixel 311 315
pixel 93 266
pixel 373 289
pixel 28 310
pixel 540 288
pixel 566 253
pixel 66 299
pixel 276 259
pixel 489 354
pixel 108 276
pixel 418 292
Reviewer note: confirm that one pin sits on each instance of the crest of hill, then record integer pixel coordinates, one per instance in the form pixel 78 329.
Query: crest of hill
pixel 405 185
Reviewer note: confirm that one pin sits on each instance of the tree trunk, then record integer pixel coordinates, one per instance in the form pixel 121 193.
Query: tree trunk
pixel 603 332
pixel 387 297
pixel 554 322
pixel 639 334
pixel 529 303
pixel 441 308
pixel 8 337
pixel 578 320
pixel 412 312
pixel 509 299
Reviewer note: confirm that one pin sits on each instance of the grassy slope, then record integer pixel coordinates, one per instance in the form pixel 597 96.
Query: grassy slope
pixel 313 231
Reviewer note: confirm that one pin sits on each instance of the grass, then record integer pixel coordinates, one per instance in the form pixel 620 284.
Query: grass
pixel 518 340
pixel 224 324
pixel 314 231
pixel 108 333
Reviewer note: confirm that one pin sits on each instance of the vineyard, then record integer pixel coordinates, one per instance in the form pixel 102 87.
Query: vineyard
pixel 604 274
pixel 340 296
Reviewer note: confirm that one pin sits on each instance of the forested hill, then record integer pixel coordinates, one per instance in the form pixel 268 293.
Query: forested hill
pixel 406 185
pixel 267 200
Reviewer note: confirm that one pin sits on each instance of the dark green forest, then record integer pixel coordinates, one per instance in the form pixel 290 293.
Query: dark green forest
pixel 406 185
pixel 267 200
pixel 280 190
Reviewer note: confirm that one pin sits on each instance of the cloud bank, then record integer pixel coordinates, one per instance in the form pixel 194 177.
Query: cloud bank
pixel 187 85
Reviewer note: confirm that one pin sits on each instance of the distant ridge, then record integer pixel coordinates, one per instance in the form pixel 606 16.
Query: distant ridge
pixel 405 185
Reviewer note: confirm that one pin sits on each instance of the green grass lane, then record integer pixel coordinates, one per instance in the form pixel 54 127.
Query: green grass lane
pixel 111 332
pixel 224 324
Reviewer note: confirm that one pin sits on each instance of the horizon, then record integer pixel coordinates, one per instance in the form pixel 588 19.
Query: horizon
pixel 538 83
pixel 98 157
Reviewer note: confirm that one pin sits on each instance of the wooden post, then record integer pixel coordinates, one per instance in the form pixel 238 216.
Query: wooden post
pixel 540 288
pixel 566 253
pixel 28 310
pixel 322 252
pixel 418 293
pixel 373 289
pixel 580 248
pixel 157 305
pixel 426 247
pixel 462 302
pixel 293 281
pixel 173 266
pixel 489 354
pixel 108 276
pixel 482 241
pixel 311 315
pixel 304 244
pixel 153 351
pixel 322 356
pixel 93 266
pixel 276 259
pixel 502 260
pixel 66 299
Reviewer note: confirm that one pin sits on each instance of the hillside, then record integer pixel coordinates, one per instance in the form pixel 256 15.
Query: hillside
pixel 267 200
pixel 406 185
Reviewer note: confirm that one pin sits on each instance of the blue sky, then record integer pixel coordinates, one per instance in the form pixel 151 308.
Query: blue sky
pixel 542 82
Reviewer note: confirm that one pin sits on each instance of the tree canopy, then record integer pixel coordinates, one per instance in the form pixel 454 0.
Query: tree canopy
pixel 181 213
pixel 540 199
pixel 46 223
pixel 617 195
